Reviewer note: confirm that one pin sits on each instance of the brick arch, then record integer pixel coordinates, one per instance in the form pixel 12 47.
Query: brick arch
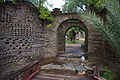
pixel 61 18
pixel 95 39
pixel 63 28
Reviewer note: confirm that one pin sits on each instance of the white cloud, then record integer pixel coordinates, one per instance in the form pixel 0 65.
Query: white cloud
pixel 56 4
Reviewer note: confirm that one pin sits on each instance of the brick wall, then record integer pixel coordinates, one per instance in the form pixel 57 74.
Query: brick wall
pixel 23 36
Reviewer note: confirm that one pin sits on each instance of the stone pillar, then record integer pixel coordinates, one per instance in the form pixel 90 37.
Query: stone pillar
pixel 95 46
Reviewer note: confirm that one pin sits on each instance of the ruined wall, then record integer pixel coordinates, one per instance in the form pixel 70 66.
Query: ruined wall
pixel 23 36
pixel 96 46
pixel 50 43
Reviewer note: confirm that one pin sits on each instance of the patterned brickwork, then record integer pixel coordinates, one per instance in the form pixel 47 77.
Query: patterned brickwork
pixel 20 35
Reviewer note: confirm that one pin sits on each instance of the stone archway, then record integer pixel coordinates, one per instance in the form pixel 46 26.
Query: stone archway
pixel 63 28
pixel 95 39
pixel 60 21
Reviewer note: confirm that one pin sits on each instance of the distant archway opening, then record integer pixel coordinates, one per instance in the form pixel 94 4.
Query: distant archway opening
pixel 75 40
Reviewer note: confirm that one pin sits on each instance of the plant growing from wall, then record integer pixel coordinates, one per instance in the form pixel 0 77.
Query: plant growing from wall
pixel 45 14
pixel 49 26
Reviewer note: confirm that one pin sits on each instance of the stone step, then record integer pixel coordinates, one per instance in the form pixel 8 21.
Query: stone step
pixel 60 76
pixel 55 77
pixel 40 77
pixel 45 76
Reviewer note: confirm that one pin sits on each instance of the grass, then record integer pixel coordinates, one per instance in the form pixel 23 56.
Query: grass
pixel 76 41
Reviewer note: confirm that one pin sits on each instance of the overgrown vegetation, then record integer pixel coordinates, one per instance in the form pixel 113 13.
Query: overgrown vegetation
pixel 45 14
pixel 75 6
pixel 108 23
pixel 108 74
pixel 111 27
pixel 95 3
pixel 72 6
pixel 49 26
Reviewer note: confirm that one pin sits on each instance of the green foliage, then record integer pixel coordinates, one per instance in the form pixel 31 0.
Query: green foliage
pixel 71 33
pixel 49 26
pixel 45 14
pixel 107 74
pixel 1 0
pixel 75 29
pixel 14 2
pixel 111 28
pixel 74 6
pixel 95 3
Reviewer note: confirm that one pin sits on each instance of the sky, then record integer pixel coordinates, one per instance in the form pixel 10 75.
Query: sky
pixel 56 4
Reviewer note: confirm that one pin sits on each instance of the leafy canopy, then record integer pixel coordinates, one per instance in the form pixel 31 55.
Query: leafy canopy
pixel 71 33
pixel 111 27
pixel 95 3
pixel 74 6
pixel 45 14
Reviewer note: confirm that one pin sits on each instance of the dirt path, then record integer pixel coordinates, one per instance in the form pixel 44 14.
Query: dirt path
pixel 74 48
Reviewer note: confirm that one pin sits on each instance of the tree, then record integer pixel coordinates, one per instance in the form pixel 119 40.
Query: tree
pixel 71 33
pixel 111 27
pixel 73 6
pixel 45 14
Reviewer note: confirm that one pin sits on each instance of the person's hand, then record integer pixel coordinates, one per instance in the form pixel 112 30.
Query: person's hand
pixel 99 78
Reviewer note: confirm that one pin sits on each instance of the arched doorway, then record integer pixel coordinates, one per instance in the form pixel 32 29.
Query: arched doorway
pixel 75 40
pixel 64 27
